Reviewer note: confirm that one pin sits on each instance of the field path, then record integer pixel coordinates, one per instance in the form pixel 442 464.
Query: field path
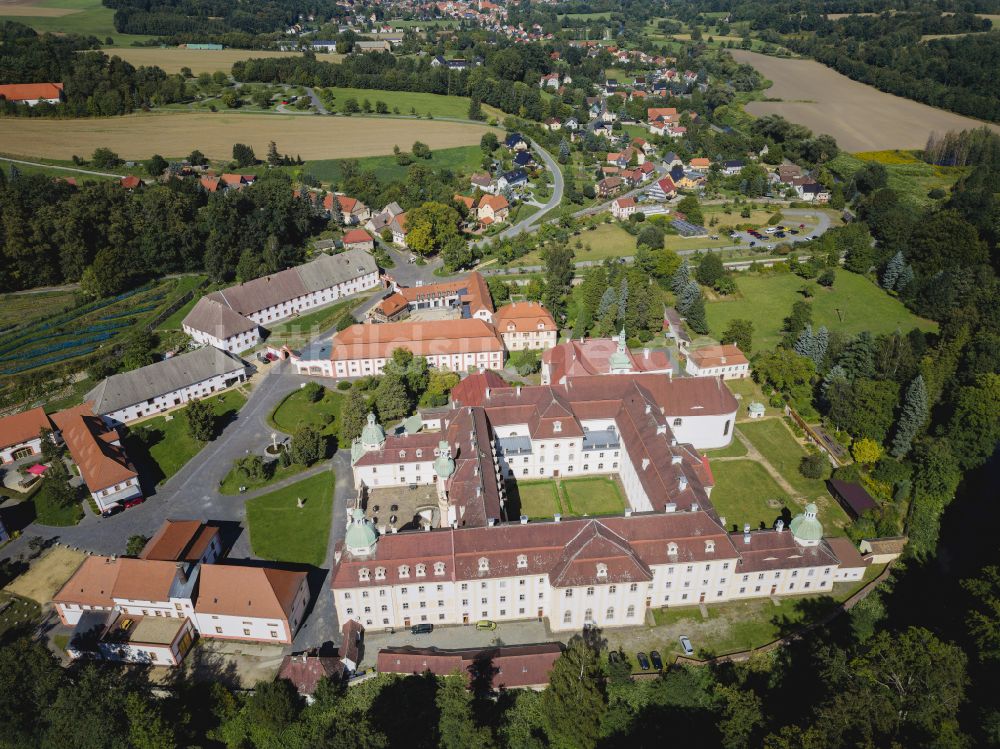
pixel 859 116
pixel 60 168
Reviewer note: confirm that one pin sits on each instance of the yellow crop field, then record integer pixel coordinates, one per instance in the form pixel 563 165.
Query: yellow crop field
pixel 888 157
pixel 172 59
pixel 176 134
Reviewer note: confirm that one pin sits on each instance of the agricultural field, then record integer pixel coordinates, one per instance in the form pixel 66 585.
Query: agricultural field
pixel 19 309
pixel 67 17
pixel 59 338
pixel 406 102
pixel 139 136
pixel 172 59
pixel 860 117
pixel 853 304
pixel 908 175
pixel 465 159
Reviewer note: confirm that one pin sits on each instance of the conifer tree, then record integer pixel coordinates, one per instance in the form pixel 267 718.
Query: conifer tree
pixel 681 277
pixel 911 418
pixel 576 699
pixel 891 275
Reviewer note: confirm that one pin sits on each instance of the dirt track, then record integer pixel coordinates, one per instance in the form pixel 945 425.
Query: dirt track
pixel 176 134
pixel 860 117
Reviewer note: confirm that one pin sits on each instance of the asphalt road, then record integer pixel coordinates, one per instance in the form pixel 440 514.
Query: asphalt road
pixel 557 192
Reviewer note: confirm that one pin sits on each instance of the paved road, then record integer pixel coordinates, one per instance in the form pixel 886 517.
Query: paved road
pixel 532 221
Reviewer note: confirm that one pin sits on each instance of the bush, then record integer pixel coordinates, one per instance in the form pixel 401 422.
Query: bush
pixel 814 466
pixel 827 277
pixel 314 392
pixel 343 385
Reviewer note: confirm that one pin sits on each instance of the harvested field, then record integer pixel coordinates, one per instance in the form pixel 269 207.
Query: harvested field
pixel 47 575
pixel 860 117
pixel 175 134
pixel 172 59
pixel 26 10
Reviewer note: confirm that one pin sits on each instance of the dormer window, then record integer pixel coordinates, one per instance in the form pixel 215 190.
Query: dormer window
pixel 484 564
pixel 420 453
pixel 380 573
pixel 672 549
pixel 602 570
pixel 709 546
pixel 557 426
pixel 438 568
pixel 363 573
pixel 510 326
pixel 421 570
pixel 522 561
pixel 402 453
pixel 404 570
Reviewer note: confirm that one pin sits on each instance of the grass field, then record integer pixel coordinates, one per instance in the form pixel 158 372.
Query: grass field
pixel 19 615
pixel 68 17
pixel 283 532
pixel 539 500
pixel 592 496
pixel 48 512
pixel 607 240
pixel 296 411
pixel 235 479
pixel 779 446
pixel 767 300
pixel 300 330
pixel 860 117
pixel 908 176
pixel 734 449
pixel 172 59
pixel 17 309
pixel 466 159
pixel 173 134
pixel 408 103
pixel 160 447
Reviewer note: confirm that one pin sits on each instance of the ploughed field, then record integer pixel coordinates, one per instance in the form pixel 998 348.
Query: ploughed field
pixel 176 134
pixel 859 116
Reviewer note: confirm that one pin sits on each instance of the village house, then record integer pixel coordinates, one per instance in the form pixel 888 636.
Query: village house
pixel 398 228
pixel 231 319
pixel 32 94
pixel 661 190
pixel 515 142
pixel 483 182
pixel 609 186
pixel 725 361
pixel 526 325
pixel 732 167
pixel 493 209
pixel 514 179
pixel 352 210
pixel 358 239
pixel 20 434
pixel 700 163
pixel 379 221
pixel 163 385
pixel 190 541
pixel 622 208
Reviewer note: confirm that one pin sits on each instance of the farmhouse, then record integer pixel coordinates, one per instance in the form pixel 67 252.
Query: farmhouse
pixel 358 239
pixel 526 326
pixel 398 228
pixel 32 94
pixel 662 189
pixel 609 186
pixel 381 220
pixel 622 208
pixel 20 434
pixel 97 451
pixel 159 387
pixel 493 209
pixel 229 319
pixel 725 361
pixel 352 210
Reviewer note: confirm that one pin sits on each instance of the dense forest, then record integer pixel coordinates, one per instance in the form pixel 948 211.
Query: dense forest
pixel 164 17
pixel 95 85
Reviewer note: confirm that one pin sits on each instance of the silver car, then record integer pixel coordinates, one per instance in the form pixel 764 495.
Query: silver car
pixel 686 645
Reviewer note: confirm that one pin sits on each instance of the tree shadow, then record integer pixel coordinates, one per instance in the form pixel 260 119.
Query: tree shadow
pixel 805 612
pixel 138 444
pixel 406 711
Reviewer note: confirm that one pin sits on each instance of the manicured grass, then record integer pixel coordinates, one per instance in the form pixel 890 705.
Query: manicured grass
pixel 235 479
pixel 465 159
pixel 607 240
pixel 160 447
pixel 735 449
pixel 782 451
pixel 87 17
pixel 538 499
pixel 852 305
pixel 298 331
pixel 177 317
pixel 592 496
pixel 283 532
pixel 48 512
pixel 296 410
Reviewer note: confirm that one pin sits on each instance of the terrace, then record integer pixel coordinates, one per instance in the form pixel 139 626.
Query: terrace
pixel 403 508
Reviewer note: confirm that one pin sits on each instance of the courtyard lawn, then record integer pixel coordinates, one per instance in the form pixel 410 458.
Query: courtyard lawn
pixel 464 159
pixel 742 492
pixel 734 449
pixel 296 410
pixel 852 305
pixel 592 496
pixel 235 479
pixel 283 532
pixel 161 446
pixel 539 500
pixel 48 512
pixel 777 443
pixel 298 331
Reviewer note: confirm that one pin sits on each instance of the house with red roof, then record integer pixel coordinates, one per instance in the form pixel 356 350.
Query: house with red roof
pixel 32 94
pixel 358 239
pixel 622 208
pixel 20 434
pixel 493 209
pixel 131 182
pixel 526 326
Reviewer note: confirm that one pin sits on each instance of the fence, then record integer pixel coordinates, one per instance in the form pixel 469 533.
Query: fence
pixel 173 307
pixel 830 446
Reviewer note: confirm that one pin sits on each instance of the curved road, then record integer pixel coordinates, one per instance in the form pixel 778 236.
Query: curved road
pixel 556 198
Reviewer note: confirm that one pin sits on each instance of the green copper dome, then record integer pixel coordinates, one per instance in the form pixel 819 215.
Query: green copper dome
pixel 372 435
pixel 361 536
pixel 806 527
pixel 620 359
pixel 444 464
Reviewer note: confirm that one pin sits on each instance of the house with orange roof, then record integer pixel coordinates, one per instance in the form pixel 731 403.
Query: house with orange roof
pixel 526 326
pixel 358 239
pixel 493 208
pixel 725 361
pixel 32 94
pixel 622 208
pixel 131 182
pixel 352 210
pixel 700 163
pixel 398 228
pixel 465 200
pixel 250 603
pixel 190 541
pixel 20 434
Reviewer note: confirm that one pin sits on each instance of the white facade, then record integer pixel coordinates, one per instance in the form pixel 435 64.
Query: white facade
pixel 117 493
pixel 704 432
pixel 316 299
pixel 534 340
pixel 234 344
pixel 21 450
pixel 176 397
pixel 457 362
pixel 727 371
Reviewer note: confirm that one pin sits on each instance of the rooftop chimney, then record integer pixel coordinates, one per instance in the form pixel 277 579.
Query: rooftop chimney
pixel 722 520
pixel 649 408
pixel 524 520
pixel 518 391
pixel 557 517
pixel 780 525
pixel 645 463
pixel 746 533
pixel 670 507
pixel 491 522
pixel 673 442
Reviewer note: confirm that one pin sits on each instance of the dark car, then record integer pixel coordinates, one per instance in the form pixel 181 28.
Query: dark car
pixel 421 629
pixel 113 510
pixel 752 243
pixel 793 231
pixel 654 656
pixel 643 661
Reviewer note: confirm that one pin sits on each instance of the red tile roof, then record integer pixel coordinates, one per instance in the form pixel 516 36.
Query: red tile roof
pixel 512 666
pixel 425 338
pixel 357 236
pixel 472 390
pixel 30 91
pixel 726 355
pixel 180 541
pixel 101 463
pixel 523 317
pixel 23 427
pixel 248 591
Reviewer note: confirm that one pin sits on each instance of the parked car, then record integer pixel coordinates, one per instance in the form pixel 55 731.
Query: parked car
pixel 113 510
pixel 485 625
pixel 793 231
pixel 643 660
pixel 752 243
pixel 421 629
pixel 770 230
pixel 686 645
pixel 654 656
pixel 134 501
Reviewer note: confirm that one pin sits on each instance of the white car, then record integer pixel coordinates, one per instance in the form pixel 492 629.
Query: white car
pixel 770 230
pixel 686 645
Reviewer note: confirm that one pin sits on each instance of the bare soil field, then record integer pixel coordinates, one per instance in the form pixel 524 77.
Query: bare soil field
pixel 27 10
pixel 47 575
pixel 860 117
pixel 172 59
pixel 176 134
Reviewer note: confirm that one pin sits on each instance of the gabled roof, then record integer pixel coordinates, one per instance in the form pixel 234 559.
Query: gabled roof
pixel 472 390
pixel 180 541
pixel 31 91
pixel 597 544
pixel 356 236
pixel 724 355
pixel 101 463
pixel 423 338
pixel 523 317
pixel 23 427
pixel 261 592
pixel 218 319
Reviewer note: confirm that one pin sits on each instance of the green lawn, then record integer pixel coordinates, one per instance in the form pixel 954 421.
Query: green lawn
pixel 735 449
pixel 88 17
pixel 48 512
pixel 607 240
pixel 234 479
pixel 592 496
pixel 435 104
pixel 298 331
pixel 741 494
pixel 296 410
pixel 19 617
pixel 283 532
pixel 852 305
pixel 782 451
pixel 160 447
pixel 539 500
pixel 465 159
